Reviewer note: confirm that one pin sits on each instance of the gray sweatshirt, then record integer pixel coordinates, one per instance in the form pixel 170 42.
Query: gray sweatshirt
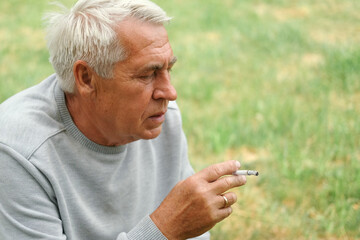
pixel 57 184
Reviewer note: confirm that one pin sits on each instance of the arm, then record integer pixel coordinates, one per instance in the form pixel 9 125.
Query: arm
pixel 27 207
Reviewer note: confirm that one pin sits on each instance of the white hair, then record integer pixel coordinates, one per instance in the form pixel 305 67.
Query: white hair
pixel 87 32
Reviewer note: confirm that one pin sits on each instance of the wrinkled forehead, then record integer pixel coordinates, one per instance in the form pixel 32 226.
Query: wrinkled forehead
pixel 136 36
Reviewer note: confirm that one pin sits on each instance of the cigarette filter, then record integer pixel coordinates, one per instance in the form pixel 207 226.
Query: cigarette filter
pixel 246 172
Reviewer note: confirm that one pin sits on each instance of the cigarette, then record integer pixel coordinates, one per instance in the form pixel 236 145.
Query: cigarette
pixel 246 172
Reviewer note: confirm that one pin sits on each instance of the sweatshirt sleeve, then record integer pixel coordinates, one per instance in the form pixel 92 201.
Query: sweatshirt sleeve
pixel 145 229
pixel 27 206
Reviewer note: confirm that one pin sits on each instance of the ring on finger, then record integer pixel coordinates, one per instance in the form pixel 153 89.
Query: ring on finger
pixel 226 201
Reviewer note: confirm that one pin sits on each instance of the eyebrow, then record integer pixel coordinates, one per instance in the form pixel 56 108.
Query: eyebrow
pixel 173 60
pixel 159 66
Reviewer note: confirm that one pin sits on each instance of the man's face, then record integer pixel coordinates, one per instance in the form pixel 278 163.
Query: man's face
pixel 132 105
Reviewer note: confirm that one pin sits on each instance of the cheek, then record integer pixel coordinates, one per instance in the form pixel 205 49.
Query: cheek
pixel 131 110
pixel 128 104
pixel 108 105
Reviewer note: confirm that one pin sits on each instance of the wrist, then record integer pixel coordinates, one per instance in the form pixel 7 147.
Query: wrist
pixel 163 225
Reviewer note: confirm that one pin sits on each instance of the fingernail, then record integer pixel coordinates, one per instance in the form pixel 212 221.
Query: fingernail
pixel 238 164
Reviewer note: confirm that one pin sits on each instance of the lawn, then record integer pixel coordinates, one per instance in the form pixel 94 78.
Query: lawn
pixel 274 84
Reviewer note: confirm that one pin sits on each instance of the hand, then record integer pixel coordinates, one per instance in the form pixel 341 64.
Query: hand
pixel 196 204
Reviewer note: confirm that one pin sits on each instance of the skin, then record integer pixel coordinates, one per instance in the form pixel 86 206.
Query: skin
pixel 132 106
pixel 195 204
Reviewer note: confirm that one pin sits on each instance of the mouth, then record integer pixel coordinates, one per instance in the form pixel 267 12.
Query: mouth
pixel 158 117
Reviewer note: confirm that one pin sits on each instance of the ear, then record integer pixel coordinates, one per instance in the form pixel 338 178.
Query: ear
pixel 84 78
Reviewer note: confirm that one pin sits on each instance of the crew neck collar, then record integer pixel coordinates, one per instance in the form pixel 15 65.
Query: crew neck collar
pixel 72 129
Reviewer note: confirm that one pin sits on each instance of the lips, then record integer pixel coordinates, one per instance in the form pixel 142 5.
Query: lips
pixel 158 117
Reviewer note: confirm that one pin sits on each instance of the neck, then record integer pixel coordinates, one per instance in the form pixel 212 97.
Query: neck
pixel 86 121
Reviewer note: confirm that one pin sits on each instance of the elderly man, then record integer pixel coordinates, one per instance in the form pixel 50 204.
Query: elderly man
pixel 96 151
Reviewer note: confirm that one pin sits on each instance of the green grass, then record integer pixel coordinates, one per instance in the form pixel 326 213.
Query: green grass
pixel 274 84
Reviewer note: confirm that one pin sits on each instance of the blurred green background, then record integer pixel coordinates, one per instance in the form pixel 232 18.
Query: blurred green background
pixel 274 84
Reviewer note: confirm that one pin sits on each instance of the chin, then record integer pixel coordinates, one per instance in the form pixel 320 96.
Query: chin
pixel 151 134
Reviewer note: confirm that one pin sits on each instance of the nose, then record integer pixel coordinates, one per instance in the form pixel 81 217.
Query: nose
pixel 163 88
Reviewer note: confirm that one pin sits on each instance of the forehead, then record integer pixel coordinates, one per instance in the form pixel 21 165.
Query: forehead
pixel 143 38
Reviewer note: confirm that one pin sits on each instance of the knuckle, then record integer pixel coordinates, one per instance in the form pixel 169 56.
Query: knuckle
pixel 191 181
pixel 228 182
pixel 207 205
pixel 217 170
pixel 213 217
pixel 196 186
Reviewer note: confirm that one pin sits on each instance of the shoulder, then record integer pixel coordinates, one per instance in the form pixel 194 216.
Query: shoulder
pixel 30 117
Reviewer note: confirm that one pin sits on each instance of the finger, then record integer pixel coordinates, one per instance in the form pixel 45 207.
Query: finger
pixel 224 213
pixel 214 172
pixel 224 184
pixel 227 199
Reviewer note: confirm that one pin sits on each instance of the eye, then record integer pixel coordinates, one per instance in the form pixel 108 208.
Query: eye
pixel 148 76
